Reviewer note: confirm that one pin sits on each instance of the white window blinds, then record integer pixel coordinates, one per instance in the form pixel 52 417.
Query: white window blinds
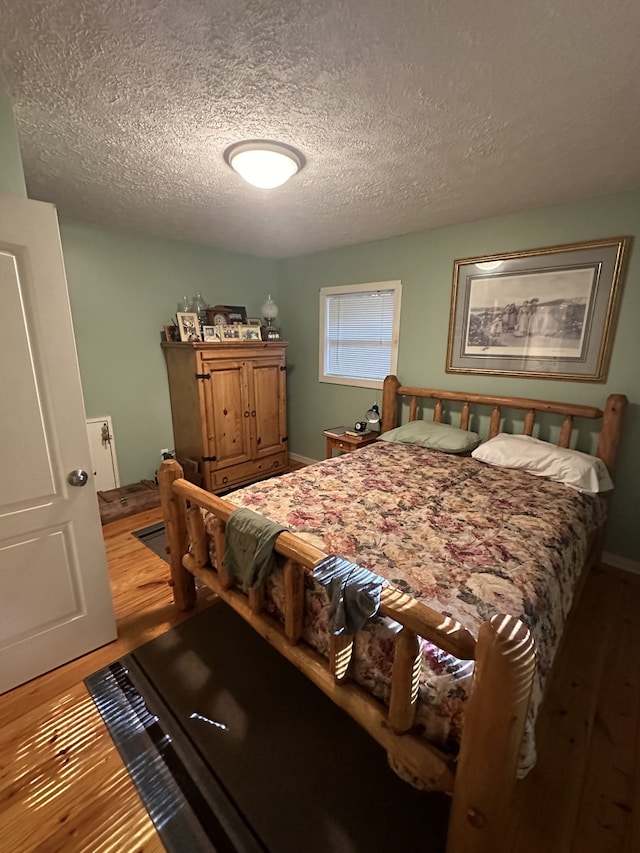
pixel 359 335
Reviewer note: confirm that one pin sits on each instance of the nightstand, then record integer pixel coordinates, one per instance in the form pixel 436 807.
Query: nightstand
pixel 346 443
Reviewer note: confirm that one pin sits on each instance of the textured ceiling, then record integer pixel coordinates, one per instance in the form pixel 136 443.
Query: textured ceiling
pixel 411 115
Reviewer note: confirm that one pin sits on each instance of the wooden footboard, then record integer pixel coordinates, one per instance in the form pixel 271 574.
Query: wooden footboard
pixel 483 778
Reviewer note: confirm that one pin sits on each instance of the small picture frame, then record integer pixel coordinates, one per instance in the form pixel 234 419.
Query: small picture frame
pixel 211 334
pixel 171 333
pixel 237 314
pixel 230 332
pixel 189 326
pixel 250 333
pixel 269 333
pixel 254 321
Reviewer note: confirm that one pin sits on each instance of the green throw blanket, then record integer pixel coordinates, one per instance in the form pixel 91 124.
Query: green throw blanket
pixel 248 547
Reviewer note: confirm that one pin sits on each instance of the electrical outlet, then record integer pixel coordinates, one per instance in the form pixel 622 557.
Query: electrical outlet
pixel 163 451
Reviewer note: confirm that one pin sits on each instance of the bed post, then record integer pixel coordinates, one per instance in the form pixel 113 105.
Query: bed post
pixel 611 431
pixel 173 512
pixel 492 735
pixel 389 403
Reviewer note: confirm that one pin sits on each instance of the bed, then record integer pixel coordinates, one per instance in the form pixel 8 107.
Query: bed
pixel 481 565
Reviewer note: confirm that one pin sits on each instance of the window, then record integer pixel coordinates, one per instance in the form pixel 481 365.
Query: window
pixel 359 326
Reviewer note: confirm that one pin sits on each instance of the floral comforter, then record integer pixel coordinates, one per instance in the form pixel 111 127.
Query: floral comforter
pixel 468 539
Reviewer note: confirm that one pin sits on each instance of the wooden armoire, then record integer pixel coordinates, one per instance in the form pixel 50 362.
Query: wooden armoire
pixel 229 411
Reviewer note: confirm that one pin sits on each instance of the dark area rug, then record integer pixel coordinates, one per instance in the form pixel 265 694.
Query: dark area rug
pixel 232 749
pixel 154 537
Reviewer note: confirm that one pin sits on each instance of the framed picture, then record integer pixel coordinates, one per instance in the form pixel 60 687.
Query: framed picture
pixel 211 334
pixel 188 325
pixel 250 333
pixel 237 314
pixel 546 313
pixel 171 333
pixel 254 321
pixel 269 333
pixel 230 332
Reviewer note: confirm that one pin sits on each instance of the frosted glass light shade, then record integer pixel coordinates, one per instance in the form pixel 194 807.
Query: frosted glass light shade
pixel 269 310
pixel 264 164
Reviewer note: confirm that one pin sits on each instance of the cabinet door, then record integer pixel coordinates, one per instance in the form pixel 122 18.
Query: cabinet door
pixel 227 412
pixel 269 412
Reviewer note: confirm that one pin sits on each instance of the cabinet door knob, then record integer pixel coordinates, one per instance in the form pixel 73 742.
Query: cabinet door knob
pixel 253 413
pixel 246 414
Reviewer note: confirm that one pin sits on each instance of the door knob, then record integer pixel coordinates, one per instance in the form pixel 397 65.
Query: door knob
pixel 77 477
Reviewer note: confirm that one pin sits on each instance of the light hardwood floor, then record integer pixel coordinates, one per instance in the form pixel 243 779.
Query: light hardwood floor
pixel 64 788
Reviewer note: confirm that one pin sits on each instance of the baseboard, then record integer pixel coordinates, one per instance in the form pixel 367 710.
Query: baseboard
pixel 621 563
pixel 303 460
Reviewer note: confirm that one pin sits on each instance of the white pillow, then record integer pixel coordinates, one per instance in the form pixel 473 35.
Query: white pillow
pixel 571 467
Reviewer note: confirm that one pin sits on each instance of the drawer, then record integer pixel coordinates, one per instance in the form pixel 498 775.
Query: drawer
pixel 248 471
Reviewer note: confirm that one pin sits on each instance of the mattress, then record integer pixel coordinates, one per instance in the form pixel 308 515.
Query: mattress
pixel 467 539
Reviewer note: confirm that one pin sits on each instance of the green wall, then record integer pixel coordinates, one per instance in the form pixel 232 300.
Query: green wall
pixel 11 172
pixel 124 288
pixel 424 264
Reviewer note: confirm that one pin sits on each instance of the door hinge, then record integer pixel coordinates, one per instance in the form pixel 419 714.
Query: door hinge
pixel 285 438
pixel 283 367
pixel 209 458
pixel 203 376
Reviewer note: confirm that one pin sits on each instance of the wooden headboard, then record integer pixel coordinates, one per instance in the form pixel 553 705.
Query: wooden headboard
pixel 611 417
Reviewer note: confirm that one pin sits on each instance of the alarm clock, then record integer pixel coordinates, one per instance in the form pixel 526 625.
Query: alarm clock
pixel 360 426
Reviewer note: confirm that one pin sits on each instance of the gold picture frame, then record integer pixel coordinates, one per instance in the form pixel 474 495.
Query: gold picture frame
pixel 211 334
pixel 249 332
pixel 545 313
pixel 189 326
pixel 229 332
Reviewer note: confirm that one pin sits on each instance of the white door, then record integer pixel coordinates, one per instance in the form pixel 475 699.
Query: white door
pixel 102 449
pixel 55 600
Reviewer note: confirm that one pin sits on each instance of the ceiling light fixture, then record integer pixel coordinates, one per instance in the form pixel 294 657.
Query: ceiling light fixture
pixel 263 163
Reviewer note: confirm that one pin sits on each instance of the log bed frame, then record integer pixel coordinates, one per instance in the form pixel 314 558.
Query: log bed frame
pixel 482 779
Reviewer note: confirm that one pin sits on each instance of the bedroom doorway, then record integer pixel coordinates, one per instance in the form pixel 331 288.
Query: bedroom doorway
pixel 55 598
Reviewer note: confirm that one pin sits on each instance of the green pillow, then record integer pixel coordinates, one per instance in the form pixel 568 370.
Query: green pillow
pixel 435 436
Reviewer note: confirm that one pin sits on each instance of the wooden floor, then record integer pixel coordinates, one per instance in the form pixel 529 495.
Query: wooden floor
pixel 64 788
